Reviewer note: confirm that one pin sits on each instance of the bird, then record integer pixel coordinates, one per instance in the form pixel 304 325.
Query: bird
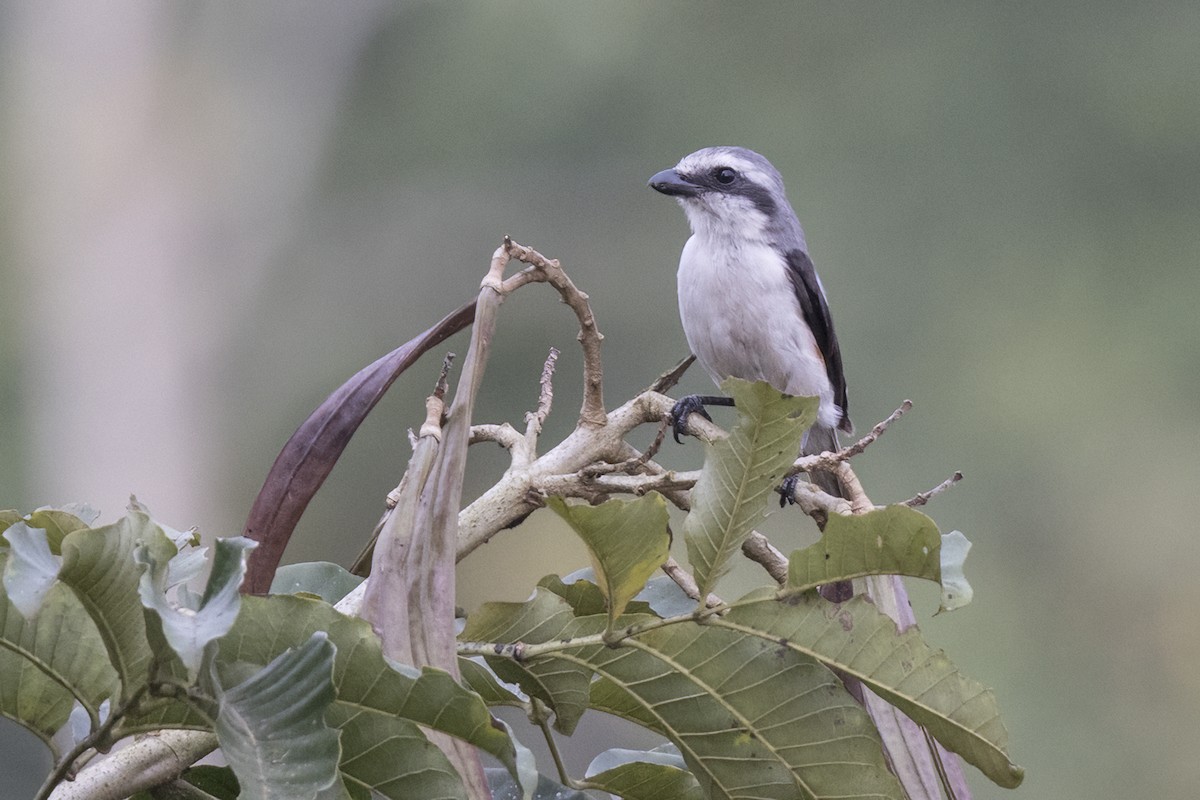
pixel 750 300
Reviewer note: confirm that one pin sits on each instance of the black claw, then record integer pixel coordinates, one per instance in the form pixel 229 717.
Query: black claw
pixel 683 408
pixel 787 490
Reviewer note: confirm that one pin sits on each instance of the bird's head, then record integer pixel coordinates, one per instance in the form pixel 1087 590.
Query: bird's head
pixel 728 192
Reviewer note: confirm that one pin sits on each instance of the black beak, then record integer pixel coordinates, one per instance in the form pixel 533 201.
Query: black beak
pixel 669 182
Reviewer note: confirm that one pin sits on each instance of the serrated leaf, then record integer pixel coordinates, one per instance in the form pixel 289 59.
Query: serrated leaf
pixel 740 473
pixel 862 643
pixel 188 631
pixel 643 775
pixel 628 540
pixel 272 727
pixel 49 663
pixel 368 686
pixel 31 568
pixel 560 685
pixel 330 582
pixel 896 540
pixel 956 591
pixel 99 567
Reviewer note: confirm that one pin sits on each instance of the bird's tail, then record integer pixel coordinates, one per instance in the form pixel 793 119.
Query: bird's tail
pixel 818 440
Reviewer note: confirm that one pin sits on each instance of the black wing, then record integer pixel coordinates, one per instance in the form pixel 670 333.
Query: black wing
pixel 816 313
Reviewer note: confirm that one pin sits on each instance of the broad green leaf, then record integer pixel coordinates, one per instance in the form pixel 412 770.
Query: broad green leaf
pixel 188 631
pixel 390 756
pixel 956 592
pixel 740 473
pixel 485 683
pixel 31 568
pixel 585 596
pixel 48 663
pixel 628 540
pixel 330 582
pixel 57 523
pixel 9 517
pixel 896 540
pixel 272 727
pixel 860 642
pixel 643 775
pixel 562 686
pixel 664 598
pixel 367 686
pixel 98 565
pixel 751 718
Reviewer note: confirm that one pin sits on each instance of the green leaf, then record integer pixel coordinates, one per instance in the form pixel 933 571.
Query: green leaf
pixel 98 565
pixel 367 687
pixel 750 717
pixel 188 631
pixel 272 727
pixel 48 663
pixel 390 756
pixel 628 540
pixel 859 641
pixel 330 582
pixel 956 592
pixel 561 686
pixel 740 473
pixel 31 568
pixel 896 540
pixel 585 597
pixel 643 775
pixel 57 523
pixel 9 517
pixel 487 685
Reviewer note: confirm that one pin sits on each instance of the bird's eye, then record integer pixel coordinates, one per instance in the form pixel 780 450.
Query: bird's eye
pixel 725 175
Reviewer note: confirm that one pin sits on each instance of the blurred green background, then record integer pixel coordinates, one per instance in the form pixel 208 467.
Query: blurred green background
pixel 212 214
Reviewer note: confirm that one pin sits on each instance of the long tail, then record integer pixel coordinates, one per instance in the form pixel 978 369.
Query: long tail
pixel 818 440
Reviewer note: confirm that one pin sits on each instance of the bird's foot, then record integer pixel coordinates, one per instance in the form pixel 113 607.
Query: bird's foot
pixel 683 408
pixel 787 490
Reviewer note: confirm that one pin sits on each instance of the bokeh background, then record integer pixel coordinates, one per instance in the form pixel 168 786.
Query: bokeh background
pixel 211 214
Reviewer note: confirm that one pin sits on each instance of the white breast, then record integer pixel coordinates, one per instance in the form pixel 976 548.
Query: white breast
pixel 741 318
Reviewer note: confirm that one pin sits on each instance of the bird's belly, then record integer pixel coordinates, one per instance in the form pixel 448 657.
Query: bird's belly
pixel 742 319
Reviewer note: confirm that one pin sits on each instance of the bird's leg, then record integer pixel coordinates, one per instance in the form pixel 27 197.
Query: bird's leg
pixel 694 404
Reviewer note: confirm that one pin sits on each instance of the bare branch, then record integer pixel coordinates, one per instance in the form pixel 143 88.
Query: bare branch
pixel 829 462
pixel 503 434
pixel 550 271
pixel 665 382
pixel 921 498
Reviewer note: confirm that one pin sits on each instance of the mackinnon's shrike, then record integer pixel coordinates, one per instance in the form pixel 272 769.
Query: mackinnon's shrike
pixel 750 300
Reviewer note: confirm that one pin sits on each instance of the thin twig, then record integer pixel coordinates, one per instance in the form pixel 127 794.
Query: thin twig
pixel 592 413
pixel 665 382
pixel 921 498
pixel 534 419
pixel 829 461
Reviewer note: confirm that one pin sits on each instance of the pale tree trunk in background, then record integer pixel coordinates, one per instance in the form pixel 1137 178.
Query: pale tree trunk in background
pixel 154 156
